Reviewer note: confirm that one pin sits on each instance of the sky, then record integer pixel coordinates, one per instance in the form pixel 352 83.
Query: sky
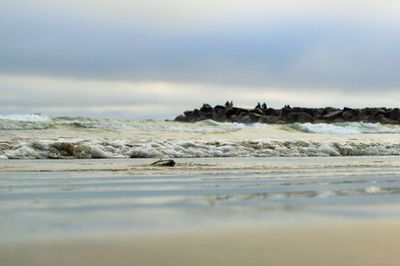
pixel 144 59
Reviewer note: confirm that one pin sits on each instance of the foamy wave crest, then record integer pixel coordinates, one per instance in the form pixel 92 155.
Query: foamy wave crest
pixel 40 122
pixel 347 128
pixel 25 117
pixel 179 149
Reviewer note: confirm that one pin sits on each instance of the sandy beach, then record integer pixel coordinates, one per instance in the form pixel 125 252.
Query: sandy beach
pixel 210 211
pixel 366 243
pixel 238 194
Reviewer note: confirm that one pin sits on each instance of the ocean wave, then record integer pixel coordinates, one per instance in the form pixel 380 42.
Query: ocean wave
pixel 43 122
pixel 48 149
pixel 25 117
pixel 346 128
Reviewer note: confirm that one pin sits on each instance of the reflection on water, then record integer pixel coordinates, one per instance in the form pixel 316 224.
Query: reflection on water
pixel 53 202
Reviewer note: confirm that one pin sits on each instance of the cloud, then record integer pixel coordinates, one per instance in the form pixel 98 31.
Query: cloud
pixel 196 14
pixel 308 53
pixel 156 53
pixel 158 100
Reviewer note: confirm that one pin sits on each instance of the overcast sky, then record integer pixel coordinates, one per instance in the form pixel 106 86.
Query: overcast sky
pixel 156 58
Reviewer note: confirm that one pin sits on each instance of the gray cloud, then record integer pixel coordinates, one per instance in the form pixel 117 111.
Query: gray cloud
pixel 156 58
pixel 123 99
pixel 287 52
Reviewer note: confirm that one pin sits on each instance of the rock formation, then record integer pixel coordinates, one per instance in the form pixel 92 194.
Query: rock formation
pixel 262 114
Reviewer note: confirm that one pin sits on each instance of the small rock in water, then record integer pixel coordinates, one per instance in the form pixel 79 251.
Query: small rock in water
pixel 164 162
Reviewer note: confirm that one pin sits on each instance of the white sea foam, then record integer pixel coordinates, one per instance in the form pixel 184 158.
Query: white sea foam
pixel 193 149
pixel 373 189
pixel 42 122
pixel 347 128
pixel 80 137
pixel 25 117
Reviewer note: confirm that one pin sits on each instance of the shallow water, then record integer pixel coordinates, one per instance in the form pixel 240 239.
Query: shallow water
pixel 41 137
pixel 60 199
pixel 239 194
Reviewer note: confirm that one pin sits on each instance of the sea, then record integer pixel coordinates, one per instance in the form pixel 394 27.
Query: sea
pixel 36 136
pixel 75 179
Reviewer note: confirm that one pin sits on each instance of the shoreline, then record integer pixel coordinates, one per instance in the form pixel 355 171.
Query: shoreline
pixel 141 166
pixel 210 211
pixel 331 243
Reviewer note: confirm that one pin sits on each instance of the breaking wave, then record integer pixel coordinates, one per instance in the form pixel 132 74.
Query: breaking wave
pixel 25 117
pixel 145 139
pixel 347 128
pixel 43 122
pixel 86 149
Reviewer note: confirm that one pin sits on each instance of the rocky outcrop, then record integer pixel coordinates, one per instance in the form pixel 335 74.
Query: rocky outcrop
pixel 262 114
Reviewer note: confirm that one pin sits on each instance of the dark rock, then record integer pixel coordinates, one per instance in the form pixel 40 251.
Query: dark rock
pixel 394 114
pixel 219 108
pixel 182 118
pixel 188 113
pixel 208 115
pixel 235 111
pixel 245 118
pixel 348 115
pixel 197 115
pixel 348 109
pixel 206 108
pixel 296 109
pixel 379 117
pixel 257 111
pixel 328 110
pixel 300 117
pixel 388 121
pixel 379 112
pixel 316 113
pixel 332 115
pixel 234 118
pixel 365 112
pixel 255 117
pixel 269 120
pixel 219 116
pixel 287 114
pixel 271 112
pixel 164 163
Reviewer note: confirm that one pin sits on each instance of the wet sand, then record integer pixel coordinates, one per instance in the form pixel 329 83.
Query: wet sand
pixel 227 211
pixel 332 243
